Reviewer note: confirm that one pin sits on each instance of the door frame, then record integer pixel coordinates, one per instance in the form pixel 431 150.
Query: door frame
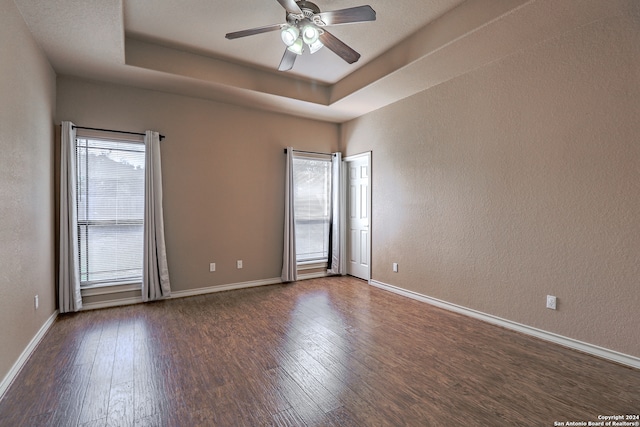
pixel 345 188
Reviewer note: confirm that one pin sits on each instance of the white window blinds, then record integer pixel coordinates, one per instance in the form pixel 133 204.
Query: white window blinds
pixel 312 207
pixel 110 203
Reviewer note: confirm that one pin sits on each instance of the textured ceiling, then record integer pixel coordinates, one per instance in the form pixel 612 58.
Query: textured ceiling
pixel 179 46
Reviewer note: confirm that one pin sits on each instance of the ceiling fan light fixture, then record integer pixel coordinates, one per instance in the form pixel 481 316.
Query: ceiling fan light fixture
pixel 290 35
pixel 316 46
pixel 310 34
pixel 305 28
pixel 297 47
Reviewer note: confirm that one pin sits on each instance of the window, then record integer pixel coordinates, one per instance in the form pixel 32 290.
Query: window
pixel 110 210
pixel 312 206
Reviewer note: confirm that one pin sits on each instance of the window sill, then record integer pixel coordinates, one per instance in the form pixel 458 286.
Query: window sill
pixel 311 265
pixel 110 288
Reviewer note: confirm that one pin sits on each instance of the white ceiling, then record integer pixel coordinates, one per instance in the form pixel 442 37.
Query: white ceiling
pixel 179 46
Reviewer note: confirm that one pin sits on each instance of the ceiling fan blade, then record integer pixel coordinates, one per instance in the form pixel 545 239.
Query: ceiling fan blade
pixel 287 61
pixel 291 6
pixel 253 31
pixel 338 47
pixel 348 16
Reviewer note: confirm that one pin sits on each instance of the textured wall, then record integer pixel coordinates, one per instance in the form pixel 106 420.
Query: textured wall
pixel 223 174
pixel 518 180
pixel 27 101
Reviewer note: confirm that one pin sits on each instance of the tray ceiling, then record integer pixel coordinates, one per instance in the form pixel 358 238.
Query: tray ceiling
pixel 179 46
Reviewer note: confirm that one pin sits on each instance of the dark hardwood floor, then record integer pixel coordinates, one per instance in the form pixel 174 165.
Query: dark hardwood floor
pixel 323 352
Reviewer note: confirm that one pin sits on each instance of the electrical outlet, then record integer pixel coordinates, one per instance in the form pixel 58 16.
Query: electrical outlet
pixel 551 302
pixel 212 267
pixel 239 263
pixel 36 303
pixel 395 267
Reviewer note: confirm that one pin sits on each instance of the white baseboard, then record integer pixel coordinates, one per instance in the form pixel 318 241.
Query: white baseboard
pixel 584 347
pixel 26 353
pixel 220 288
pixel 241 285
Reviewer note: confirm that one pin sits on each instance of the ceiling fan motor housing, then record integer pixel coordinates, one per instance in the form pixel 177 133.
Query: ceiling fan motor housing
pixel 308 8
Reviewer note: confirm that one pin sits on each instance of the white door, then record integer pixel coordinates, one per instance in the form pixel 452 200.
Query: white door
pixel 358 185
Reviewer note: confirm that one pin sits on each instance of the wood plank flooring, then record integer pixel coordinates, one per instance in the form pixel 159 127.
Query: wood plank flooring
pixel 322 352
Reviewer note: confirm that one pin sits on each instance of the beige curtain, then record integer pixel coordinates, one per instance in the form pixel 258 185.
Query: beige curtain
pixel 337 261
pixel 69 297
pixel 289 266
pixel 155 271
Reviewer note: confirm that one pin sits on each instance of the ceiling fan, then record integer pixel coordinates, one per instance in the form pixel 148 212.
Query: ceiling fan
pixel 305 26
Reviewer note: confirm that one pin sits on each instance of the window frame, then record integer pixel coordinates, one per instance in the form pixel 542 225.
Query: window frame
pixel 97 287
pixel 310 264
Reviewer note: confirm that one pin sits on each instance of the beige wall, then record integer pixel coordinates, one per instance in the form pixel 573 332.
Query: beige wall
pixel 518 180
pixel 223 174
pixel 27 101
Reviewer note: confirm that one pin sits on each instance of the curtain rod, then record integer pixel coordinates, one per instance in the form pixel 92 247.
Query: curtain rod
pixel 114 131
pixel 309 152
